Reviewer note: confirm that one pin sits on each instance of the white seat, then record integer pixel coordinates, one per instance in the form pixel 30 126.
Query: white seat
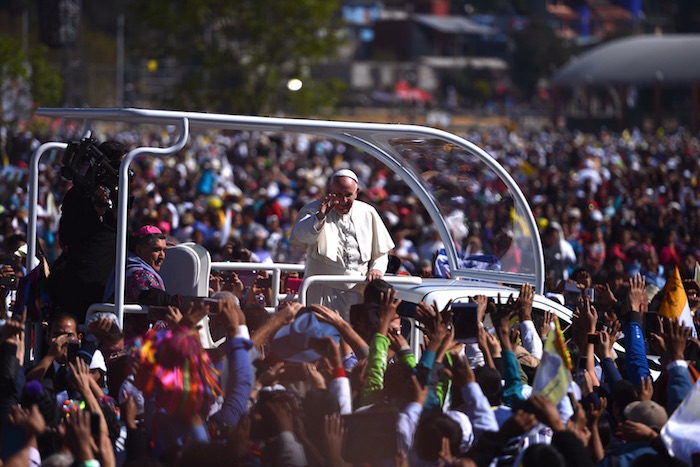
pixel 185 270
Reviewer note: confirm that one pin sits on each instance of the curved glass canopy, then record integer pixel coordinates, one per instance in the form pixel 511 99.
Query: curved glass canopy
pixel 456 182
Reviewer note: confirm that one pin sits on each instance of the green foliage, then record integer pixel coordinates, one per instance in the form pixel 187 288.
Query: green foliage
pixel 538 52
pixel 12 59
pixel 315 96
pixel 47 83
pixel 471 84
pixel 237 57
pixel 44 79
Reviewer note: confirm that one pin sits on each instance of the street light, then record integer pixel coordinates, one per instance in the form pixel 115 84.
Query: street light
pixel 294 84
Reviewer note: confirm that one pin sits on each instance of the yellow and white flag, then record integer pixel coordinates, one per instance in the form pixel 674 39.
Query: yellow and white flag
pixel 674 304
pixel 552 378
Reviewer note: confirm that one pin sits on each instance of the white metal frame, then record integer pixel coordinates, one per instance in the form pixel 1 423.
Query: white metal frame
pixel 371 137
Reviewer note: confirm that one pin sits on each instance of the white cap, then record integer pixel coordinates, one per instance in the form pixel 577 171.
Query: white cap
pixel 98 361
pixel 346 173
pixel 466 426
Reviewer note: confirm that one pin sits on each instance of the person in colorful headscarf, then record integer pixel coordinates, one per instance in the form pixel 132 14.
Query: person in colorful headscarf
pixel 143 265
pixel 143 282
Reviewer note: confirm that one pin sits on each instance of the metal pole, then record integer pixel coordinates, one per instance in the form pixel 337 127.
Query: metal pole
pixel 25 32
pixel 120 60
pixel 123 218
pixel 335 279
pixel 34 199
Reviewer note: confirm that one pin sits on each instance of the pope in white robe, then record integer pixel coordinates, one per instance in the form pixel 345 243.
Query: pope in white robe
pixel 342 236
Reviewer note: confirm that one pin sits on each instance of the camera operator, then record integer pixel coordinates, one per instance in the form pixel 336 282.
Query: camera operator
pixel 88 235
pixel 8 288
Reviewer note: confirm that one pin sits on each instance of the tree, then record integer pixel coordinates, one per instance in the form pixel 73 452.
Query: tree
pixel 26 79
pixel 536 54
pixel 237 57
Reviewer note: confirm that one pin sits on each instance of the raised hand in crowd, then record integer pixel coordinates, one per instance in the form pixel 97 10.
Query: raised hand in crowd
pixel 637 293
pixel 79 437
pixel 482 305
pixel 387 312
pixel 635 431
pixel 239 437
pixel 584 334
pixel 230 282
pixel 606 339
pixel 578 423
pixel 312 376
pixel 13 333
pixel 418 392
pixel 173 317
pixel 674 337
pixel 546 412
pixel 282 411
pixel 196 312
pixel 232 315
pixel 583 322
pixel 358 377
pixel 461 373
pixel 524 302
pixel 272 375
pixel 330 351
pixel 285 314
pixel 261 287
pixel 519 423
pixel 326 315
pixel 32 423
pixel 102 328
pixel 547 320
pixel 447 343
pixel 81 376
pixel 216 283
pixel 489 346
pixel 86 385
pixel 349 335
pixel 425 315
pixel 501 321
pixel 583 280
pixel 398 343
pixel 604 296
pixel 595 445
pixel 333 436
pixel 287 310
pixel 514 336
pixel 646 389
pixel 129 413
pixel 440 322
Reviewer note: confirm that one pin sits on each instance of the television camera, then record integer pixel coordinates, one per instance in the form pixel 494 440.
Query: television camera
pixel 88 168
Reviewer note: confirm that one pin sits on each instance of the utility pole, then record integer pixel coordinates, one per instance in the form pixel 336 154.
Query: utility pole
pixel 120 60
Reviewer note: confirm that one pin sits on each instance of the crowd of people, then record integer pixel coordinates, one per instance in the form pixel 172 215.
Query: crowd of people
pixel 321 385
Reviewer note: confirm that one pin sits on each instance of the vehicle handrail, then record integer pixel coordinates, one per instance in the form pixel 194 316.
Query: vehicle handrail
pixel 123 215
pixel 276 268
pixel 334 279
pixel 34 199
pixel 31 232
pixel 132 308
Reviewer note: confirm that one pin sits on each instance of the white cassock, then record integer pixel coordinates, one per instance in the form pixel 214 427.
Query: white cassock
pixel 349 245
